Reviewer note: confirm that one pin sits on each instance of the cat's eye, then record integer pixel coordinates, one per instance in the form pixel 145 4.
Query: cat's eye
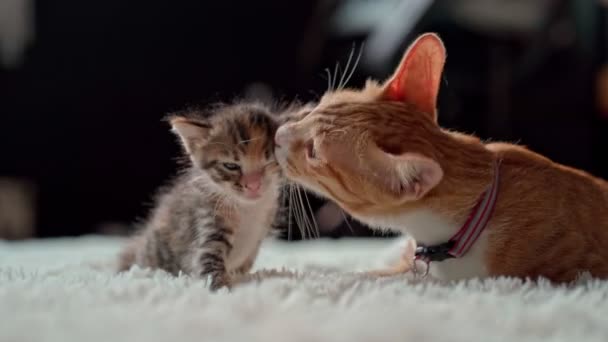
pixel 231 166
pixel 311 153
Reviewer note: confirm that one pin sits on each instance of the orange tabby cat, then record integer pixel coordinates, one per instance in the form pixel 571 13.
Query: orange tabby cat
pixel 379 153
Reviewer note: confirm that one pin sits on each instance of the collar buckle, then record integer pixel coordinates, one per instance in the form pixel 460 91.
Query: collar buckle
pixel 436 252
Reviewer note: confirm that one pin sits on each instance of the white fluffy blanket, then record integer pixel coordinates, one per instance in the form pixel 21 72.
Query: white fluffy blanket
pixel 65 290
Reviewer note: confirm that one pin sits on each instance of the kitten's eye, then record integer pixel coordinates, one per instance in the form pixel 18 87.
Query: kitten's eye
pixel 310 150
pixel 231 166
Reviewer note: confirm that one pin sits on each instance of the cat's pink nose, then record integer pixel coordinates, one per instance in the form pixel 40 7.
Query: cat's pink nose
pixel 281 137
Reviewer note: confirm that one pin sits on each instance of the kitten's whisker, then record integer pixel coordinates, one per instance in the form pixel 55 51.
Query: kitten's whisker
pixel 342 131
pixel 226 203
pixel 350 57
pixel 252 139
pixel 312 214
pixel 223 202
pixel 218 144
pixel 218 206
pixel 196 179
pixel 352 71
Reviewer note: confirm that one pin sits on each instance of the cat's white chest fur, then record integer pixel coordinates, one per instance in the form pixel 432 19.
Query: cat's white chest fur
pixel 428 228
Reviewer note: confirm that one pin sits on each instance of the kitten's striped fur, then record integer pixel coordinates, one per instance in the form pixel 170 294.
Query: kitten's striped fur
pixel 205 225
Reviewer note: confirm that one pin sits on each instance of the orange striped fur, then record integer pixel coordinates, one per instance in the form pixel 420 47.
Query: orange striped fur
pixel 379 153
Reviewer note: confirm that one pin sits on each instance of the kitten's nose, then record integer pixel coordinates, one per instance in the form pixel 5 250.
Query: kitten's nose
pixel 253 186
pixel 281 137
pixel 252 181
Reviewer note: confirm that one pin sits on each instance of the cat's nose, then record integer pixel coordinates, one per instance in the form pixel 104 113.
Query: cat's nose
pixel 281 137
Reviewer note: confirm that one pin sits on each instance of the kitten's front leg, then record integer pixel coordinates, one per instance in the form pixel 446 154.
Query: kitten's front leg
pixel 248 264
pixel 215 247
pixel 213 266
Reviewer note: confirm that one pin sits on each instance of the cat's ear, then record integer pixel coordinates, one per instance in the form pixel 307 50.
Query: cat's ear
pixel 192 133
pixel 416 174
pixel 417 78
pixel 408 176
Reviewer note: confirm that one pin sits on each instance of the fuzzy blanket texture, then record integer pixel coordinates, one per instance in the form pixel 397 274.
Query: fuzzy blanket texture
pixel 66 290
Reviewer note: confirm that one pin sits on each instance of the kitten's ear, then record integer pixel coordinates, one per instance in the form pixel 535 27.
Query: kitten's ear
pixel 192 133
pixel 409 176
pixel 417 78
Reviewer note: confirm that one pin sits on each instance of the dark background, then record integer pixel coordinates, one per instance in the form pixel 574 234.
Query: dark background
pixel 81 108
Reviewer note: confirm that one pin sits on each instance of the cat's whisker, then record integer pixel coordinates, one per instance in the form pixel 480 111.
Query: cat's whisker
pixel 328 72
pixel 296 213
pixel 296 216
pixel 307 222
pixel 336 70
pixel 287 199
pixel 352 71
pixel 350 57
pixel 305 218
pixel 346 220
pixel 312 214
pixel 287 206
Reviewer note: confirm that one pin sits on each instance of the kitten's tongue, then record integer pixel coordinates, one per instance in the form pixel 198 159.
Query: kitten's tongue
pixel 252 194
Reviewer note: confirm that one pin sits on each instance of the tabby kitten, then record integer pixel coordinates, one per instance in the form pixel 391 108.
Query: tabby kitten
pixel 212 220
pixel 478 209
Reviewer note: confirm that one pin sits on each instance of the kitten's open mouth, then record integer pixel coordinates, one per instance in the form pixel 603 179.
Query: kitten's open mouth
pixel 252 196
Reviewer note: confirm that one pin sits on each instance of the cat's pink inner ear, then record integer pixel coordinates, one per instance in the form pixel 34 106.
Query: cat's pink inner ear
pixel 417 79
pixel 416 174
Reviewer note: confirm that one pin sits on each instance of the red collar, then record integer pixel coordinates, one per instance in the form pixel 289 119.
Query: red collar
pixel 461 242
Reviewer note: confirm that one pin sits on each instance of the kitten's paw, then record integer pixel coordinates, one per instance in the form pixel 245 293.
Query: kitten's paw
pixel 220 281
